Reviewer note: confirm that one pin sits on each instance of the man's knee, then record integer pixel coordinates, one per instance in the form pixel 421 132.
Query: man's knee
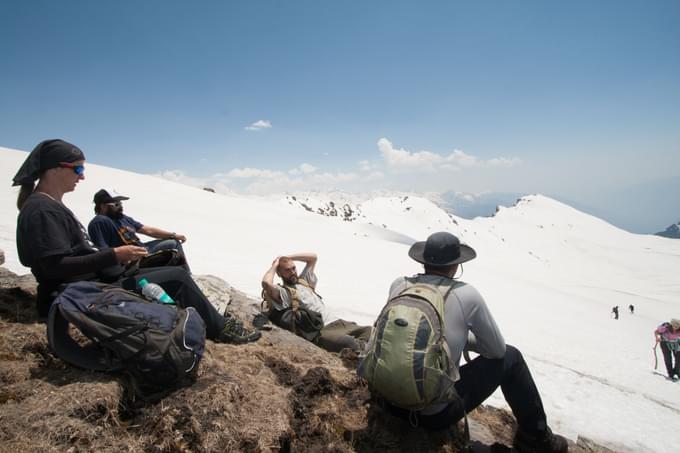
pixel 513 353
pixel 175 273
pixel 513 357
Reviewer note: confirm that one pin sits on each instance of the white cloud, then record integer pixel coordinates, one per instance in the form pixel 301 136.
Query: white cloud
pixel 365 165
pixel 253 173
pixel 400 159
pixel 307 168
pixel 329 179
pixel 259 125
pixel 181 177
pixel 302 169
pixel 504 162
pixel 398 169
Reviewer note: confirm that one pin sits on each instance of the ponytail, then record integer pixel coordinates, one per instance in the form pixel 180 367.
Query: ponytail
pixel 25 191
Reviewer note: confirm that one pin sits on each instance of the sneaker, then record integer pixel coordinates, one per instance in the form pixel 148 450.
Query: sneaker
pixel 234 332
pixel 545 443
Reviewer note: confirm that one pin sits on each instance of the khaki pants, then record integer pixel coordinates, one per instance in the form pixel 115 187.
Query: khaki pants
pixel 341 334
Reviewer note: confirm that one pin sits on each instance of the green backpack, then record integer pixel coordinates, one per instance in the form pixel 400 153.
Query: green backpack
pixel 407 360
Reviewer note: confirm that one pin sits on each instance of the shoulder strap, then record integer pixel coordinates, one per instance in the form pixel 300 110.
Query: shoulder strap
pixel 64 346
pixel 415 289
pixel 304 282
pixel 294 299
pixel 267 301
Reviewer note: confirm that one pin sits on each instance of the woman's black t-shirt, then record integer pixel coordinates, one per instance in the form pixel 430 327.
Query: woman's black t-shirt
pixel 55 245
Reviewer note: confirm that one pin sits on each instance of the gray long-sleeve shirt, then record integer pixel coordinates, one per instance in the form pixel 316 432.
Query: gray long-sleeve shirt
pixel 467 320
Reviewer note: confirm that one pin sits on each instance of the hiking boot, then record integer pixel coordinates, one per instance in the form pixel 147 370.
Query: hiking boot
pixel 543 443
pixel 234 332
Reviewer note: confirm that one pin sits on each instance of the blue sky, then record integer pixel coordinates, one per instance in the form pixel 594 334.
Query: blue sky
pixel 579 100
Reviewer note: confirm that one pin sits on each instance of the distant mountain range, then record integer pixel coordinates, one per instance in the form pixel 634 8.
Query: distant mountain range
pixel 672 231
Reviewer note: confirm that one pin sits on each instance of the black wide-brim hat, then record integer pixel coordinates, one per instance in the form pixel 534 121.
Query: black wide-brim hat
pixel 441 249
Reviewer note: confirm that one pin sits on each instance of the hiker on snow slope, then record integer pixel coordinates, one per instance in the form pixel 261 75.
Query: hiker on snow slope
pixel 55 245
pixel 668 336
pixel 437 401
pixel 296 306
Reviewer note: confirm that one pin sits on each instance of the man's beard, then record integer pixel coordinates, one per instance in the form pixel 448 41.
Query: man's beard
pixel 291 281
pixel 116 215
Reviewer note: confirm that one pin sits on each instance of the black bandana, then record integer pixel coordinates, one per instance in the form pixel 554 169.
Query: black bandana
pixel 46 155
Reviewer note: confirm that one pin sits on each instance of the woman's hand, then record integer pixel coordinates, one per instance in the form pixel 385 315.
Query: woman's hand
pixel 127 253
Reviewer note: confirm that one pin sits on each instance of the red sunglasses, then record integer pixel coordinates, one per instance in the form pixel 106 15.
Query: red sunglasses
pixel 77 169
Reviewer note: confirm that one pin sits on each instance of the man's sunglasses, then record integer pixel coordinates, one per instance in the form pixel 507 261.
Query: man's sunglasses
pixel 77 169
pixel 115 204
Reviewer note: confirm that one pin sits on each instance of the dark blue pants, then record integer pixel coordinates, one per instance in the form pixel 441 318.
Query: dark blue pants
pixel 668 355
pixel 478 380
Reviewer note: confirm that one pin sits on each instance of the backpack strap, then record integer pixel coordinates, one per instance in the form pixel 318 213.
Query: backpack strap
pixel 268 302
pixel 436 287
pixel 64 346
pixel 91 356
pixel 293 293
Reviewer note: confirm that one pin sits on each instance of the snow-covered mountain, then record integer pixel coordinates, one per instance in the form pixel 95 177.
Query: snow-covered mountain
pixel 672 231
pixel 549 273
pixel 469 206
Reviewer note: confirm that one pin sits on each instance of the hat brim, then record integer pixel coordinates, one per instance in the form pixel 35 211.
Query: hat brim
pixel 119 198
pixel 417 252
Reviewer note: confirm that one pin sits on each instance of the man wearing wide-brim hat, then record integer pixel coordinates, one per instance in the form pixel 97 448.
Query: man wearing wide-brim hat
pixel 468 324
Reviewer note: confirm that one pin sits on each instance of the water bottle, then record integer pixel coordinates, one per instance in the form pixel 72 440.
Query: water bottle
pixel 155 292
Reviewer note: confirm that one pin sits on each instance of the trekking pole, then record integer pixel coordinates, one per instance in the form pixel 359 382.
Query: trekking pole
pixel 656 359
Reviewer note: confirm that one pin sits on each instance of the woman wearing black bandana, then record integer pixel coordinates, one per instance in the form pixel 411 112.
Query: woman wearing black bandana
pixel 55 245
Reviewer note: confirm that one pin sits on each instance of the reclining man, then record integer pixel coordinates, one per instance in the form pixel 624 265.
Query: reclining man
pixel 498 364
pixel 296 306
pixel 111 228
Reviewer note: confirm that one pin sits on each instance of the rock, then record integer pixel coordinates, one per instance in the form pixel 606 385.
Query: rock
pixel 2 257
pixel 588 446
pixel 17 297
pixel 215 289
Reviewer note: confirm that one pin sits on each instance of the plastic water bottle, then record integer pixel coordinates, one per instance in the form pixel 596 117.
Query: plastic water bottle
pixel 155 292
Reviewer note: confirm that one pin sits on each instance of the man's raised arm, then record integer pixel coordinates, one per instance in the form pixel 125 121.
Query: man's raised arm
pixel 268 282
pixel 308 258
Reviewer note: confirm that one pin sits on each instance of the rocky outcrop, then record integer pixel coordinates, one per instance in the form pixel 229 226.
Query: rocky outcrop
pixel 672 231
pixel 280 394
pixel 345 210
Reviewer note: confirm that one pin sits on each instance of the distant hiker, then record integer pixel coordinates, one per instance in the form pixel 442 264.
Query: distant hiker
pixel 668 336
pixel 55 245
pixel 631 308
pixel 296 306
pixel 111 228
pixel 615 312
pixel 422 388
